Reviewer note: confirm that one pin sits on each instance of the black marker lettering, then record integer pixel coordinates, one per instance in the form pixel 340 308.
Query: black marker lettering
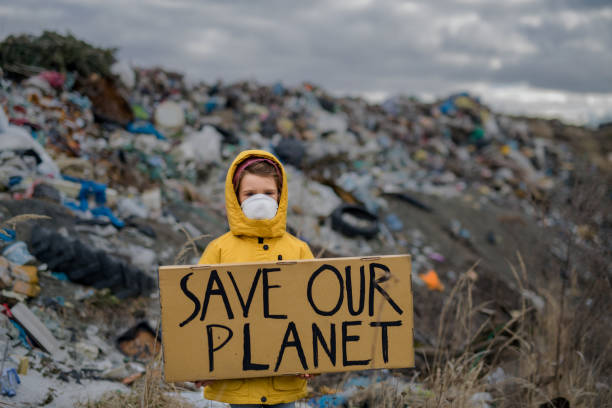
pixel 220 291
pixel 266 294
pixel 345 339
pixel 192 297
pixel 246 355
pixel 329 348
pixel 211 347
pixel 294 343
pixel 349 290
pixel 245 306
pixel 385 337
pixel 374 284
pixel 340 295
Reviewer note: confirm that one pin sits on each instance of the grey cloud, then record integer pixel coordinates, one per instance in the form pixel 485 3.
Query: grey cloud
pixel 583 4
pixel 372 48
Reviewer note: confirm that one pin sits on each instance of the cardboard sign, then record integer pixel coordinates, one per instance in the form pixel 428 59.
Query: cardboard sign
pixel 287 317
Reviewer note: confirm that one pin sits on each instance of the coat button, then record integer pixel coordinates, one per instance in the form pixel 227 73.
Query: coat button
pixel 263 399
pixel 265 247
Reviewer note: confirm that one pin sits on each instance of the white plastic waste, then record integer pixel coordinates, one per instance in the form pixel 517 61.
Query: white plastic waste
pixel 169 117
pixel 17 138
pixel 311 197
pixel 203 147
pixel 152 199
pixel 125 73
pixel 127 207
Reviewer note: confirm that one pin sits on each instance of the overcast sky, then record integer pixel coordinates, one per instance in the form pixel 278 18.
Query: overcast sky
pixel 550 57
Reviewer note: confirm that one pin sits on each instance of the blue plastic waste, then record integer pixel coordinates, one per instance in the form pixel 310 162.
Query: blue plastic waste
pixel 106 212
pixel 14 180
pixel 156 161
pixel 144 127
pixel 278 89
pixel 99 192
pixel 394 223
pixel 87 188
pixel 448 107
pixel 329 401
pixel 513 144
pixel 7 234
pixel 61 276
pixel 23 337
pixel 18 253
pixel 9 381
pixel 82 102
pixel 211 104
pixel 464 233
pixel 361 381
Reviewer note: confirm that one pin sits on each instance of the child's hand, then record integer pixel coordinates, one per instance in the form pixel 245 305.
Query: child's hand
pixel 203 383
pixel 307 376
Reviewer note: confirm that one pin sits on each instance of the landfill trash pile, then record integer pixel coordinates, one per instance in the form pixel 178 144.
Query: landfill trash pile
pixel 129 164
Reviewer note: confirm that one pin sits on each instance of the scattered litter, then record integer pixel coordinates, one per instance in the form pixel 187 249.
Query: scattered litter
pixel 412 201
pixel 169 116
pixel 139 342
pixel 24 364
pixel 352 220
pixel 498 376
pixel 18 253
pixel 394 222
pixel 481 400
pixel 37 330
pixel 432 280
pixel 86 265
pixel 9 382
pixel 25 288
pixel 87 350
pixel 82 293
pixel 61 276
pixel 7 234
pixel 436 257
pixel 538 301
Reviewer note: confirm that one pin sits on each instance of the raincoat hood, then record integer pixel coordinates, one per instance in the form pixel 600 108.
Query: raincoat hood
pixel 241 225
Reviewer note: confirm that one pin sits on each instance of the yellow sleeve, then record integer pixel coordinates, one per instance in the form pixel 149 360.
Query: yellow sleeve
pixel 211 255
pixel 305 252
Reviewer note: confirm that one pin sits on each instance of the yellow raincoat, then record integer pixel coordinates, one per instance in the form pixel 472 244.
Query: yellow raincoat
pixel 254 241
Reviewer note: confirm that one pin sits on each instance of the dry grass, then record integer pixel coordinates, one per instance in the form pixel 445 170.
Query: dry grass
pixel 536 349
pixel 13 221
pixel 190 245
pixel 538 354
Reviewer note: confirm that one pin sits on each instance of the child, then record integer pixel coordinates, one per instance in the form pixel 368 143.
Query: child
pixel 256 204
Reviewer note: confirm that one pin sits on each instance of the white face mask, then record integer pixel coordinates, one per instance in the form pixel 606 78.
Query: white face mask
pixel 259 207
